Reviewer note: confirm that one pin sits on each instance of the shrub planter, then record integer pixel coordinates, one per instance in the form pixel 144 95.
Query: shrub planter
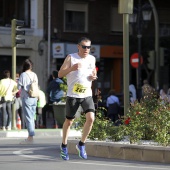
pixel 59 113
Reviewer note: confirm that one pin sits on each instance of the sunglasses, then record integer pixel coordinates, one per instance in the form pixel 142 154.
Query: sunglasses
pixel 84 47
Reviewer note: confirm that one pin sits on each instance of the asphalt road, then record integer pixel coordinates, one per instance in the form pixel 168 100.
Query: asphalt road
pixel 44 155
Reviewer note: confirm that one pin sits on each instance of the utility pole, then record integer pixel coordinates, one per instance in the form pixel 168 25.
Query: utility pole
pixel 126 8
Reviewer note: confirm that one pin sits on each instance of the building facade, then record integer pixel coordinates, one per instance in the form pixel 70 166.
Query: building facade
pixel 31 11
pixel 54 26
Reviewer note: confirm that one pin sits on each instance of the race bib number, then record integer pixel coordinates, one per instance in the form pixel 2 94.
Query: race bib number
pixel 78 88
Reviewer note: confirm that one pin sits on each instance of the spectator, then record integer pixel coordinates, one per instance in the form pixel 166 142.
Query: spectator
pixel 18 104
pixel 9 93
pixel 165 93
pixel 132 91
pixel 2 89
pixel 2 93
pixel 40 104
pixel 28 103
pixel 147 90
pixel 54 94
pixel 97 98
pixel 113 106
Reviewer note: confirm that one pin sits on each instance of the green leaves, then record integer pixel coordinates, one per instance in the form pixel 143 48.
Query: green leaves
pixel 148 119
pixel 63 86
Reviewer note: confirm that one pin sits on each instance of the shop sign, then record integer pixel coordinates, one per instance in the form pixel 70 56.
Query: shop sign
pixel 58 50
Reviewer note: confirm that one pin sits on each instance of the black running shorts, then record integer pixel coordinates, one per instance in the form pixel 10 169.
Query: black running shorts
pixel 72 105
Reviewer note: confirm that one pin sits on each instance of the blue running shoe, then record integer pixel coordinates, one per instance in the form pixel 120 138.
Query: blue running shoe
pixel 64 153
pixel 82 152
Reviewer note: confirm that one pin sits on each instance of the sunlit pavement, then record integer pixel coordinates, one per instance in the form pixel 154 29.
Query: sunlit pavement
pixel 101 148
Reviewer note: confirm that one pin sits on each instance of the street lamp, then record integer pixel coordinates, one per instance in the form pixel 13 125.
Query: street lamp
pixel 141 15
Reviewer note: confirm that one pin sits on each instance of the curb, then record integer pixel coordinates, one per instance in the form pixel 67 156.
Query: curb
pixel 124 151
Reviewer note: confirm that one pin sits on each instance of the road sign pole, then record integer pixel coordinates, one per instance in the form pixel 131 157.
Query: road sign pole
pixel 136 60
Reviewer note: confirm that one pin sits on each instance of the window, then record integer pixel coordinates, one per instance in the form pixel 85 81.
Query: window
pixel 164 29
pixel 76 15
pixel 116 21
pixel 14 9
pixel 164 22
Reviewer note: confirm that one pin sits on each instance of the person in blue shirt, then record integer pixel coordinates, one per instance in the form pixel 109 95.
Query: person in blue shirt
pixel 54 94
pixel 53 89
pixel 113 106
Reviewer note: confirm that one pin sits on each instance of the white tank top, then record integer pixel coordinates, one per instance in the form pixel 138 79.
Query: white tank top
pixel 79 85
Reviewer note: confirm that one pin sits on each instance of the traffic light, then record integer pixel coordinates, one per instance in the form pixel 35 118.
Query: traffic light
pixel 164 56
pixel 151 60
pixel 17 32
pixel 167 57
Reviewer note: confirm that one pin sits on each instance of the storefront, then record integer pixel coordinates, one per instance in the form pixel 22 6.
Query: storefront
pixel 111 68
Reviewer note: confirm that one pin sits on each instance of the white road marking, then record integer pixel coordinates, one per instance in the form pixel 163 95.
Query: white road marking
pixel 20 153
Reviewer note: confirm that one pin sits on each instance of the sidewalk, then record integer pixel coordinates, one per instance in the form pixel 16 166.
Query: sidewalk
pixel 111 150
pixel 38 133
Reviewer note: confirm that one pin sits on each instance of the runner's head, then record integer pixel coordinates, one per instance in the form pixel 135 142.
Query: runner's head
pixel 84 46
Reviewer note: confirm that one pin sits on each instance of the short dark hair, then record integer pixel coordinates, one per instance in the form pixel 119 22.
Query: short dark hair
pixel 112 92
pixel 6 74
pixel 55 74
pixel 28 64
pixel 83 39
pixel 145 81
